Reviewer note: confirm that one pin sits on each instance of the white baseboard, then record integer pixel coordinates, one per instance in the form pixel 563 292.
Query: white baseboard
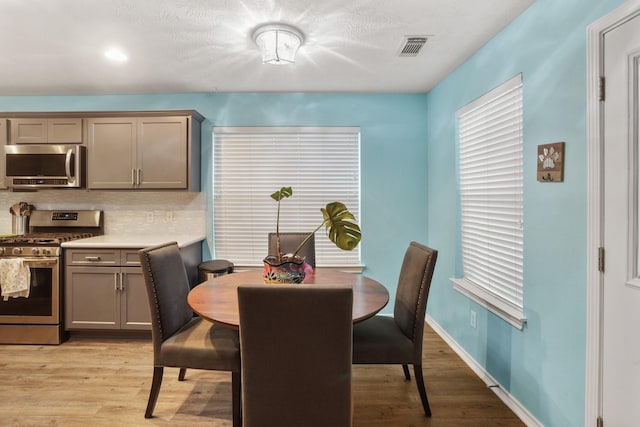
pixel 502 394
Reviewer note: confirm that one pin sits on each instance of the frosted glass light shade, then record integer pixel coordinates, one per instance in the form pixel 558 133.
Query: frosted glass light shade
pixel 278 43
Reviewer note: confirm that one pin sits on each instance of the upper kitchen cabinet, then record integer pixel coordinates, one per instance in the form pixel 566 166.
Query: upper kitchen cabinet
pixel 152 152
pixel 45 130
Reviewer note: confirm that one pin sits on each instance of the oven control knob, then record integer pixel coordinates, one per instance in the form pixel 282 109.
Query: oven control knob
pixel 46 251
pixel 17 251
pixel 2 250
pixel 34 251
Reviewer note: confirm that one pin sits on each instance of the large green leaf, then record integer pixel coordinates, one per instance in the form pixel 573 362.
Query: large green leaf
pixel 341 226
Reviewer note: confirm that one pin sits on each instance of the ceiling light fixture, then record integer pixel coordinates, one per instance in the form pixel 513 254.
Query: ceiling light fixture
pixel 278 43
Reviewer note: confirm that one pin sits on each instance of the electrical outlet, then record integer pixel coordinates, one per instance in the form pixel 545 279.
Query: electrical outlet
pixel 149 216
pixel 169 216
pixel 473 319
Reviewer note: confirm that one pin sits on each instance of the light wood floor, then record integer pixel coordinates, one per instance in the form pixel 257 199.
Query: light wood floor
pixel 105 382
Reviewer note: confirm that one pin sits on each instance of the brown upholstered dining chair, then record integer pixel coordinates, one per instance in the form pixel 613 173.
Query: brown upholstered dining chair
pixel 398 339
pixel 181 340
pixel 290 241
pixel 296 347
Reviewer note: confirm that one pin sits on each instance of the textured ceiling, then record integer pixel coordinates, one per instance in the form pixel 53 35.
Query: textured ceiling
pixel 57 46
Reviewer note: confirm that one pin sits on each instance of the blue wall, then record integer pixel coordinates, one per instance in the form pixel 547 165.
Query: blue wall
pixel 542 366
pixel 393 152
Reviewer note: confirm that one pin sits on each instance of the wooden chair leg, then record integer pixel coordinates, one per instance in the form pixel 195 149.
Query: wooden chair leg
pixel 236 399
pixel 181 374
pixel 417 371
pixel 405 368
pixel 155 390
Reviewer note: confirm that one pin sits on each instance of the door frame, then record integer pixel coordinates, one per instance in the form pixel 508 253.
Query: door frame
pixel 595 217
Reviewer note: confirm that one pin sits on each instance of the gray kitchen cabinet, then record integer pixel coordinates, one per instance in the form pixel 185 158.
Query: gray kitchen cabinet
pixel 154 153
pixel 111 161
pixel 45 130
pixel 105 290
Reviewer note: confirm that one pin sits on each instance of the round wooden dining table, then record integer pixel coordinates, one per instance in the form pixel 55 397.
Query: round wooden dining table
pixel 217 298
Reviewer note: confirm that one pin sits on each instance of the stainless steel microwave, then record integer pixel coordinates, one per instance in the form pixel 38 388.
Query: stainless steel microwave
pixel 45 166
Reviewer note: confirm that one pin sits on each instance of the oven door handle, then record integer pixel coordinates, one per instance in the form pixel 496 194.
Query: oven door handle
pixel 41 261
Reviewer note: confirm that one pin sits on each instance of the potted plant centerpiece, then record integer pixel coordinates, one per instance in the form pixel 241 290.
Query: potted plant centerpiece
pixel 341 228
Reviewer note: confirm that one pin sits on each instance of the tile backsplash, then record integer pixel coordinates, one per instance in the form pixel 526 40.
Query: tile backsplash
pixel 125 212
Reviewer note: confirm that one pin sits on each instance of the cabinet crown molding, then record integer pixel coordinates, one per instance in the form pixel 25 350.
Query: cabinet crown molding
pixel 89 114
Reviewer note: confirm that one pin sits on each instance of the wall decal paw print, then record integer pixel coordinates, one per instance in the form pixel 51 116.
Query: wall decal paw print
pixel 551 162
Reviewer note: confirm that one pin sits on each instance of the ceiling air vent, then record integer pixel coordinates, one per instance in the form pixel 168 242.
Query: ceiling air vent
pixel 411 45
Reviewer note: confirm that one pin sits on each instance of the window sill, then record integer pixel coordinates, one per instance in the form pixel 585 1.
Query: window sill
pixel 508 312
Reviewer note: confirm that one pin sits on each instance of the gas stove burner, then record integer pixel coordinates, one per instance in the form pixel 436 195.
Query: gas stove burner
pixel 43 238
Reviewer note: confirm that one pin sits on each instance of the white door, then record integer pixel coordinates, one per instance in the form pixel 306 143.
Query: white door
pixel 620 363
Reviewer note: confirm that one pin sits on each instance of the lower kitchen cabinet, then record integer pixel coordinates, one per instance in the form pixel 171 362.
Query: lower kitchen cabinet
pixel 105 290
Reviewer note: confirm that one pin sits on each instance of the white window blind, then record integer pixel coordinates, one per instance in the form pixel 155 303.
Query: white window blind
pixel 491 200
pixel 321 164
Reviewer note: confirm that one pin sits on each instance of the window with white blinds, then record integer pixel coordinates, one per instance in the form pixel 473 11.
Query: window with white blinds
pixel 491 200
pixel 321 164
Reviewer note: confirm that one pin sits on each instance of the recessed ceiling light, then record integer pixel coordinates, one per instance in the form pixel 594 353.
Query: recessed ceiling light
pixel 115 55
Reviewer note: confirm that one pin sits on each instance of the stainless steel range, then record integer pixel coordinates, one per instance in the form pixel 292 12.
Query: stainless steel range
pixel 37 318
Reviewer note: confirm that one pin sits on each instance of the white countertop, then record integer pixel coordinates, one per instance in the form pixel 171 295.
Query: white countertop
pixel 132 241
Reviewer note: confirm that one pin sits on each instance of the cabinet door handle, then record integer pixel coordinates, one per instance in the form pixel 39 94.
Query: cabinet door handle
pixel 122 277
pixel 116 286
pixel 139 173
pixel 133 177
pixel 92 258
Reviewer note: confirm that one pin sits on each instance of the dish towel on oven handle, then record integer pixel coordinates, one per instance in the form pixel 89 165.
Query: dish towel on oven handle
pixel 15 278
